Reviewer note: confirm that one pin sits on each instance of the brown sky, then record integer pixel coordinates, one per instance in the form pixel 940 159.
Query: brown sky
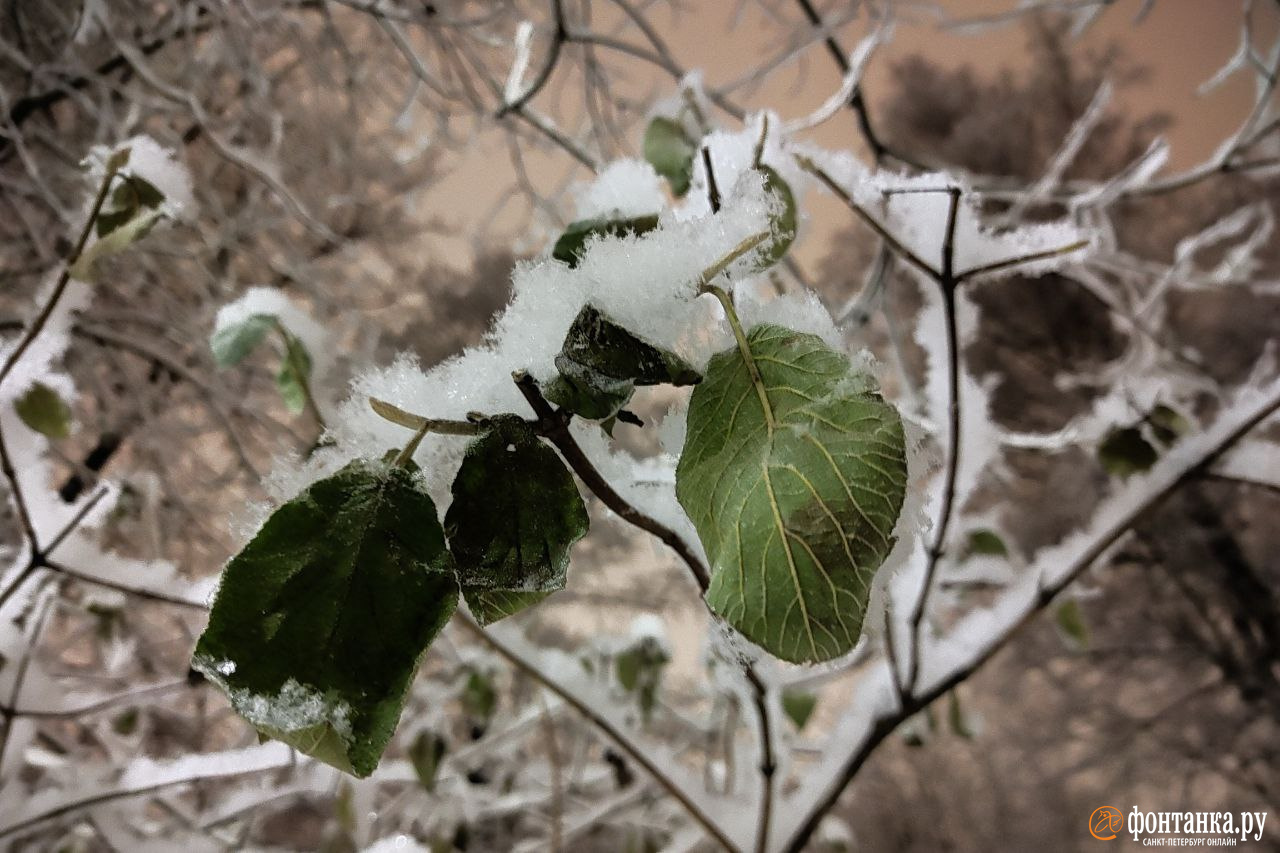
pixel 1180 43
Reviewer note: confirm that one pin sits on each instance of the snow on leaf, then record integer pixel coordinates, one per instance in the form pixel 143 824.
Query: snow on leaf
pixel 601 363
pixel 794 482
pixel 274 304
pixel 573 242
pixel 327 610
pixel 625 189
pixel 783 222
pixel 232 343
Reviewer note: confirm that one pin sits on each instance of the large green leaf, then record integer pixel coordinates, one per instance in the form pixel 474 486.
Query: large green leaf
pixel 516 512
pixel 794 484
pixel 319 623
pixel 573 242
pixel 601 363
pixel 670 151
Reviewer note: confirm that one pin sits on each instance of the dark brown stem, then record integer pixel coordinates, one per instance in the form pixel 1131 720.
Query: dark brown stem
pixel 558 38
pixel 875 224
pixel 947 284
pixel 1022 259
pixel 879 149
pixel 554 425
pixel 33 331
pixel 713 192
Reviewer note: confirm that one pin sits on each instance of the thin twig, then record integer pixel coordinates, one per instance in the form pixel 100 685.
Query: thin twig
pixel 875 224
pixel 33 331
pixel 557 780
pixel 603 724
pixel 713 191
pixel 555 427
pixel 409 420
pixel 879 149
pixel 1020 260
pixel 558 38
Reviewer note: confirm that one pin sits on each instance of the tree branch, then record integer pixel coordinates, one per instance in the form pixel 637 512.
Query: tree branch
pixel 879 149
pixel 555 427
pixel 947 285
pixel 884 725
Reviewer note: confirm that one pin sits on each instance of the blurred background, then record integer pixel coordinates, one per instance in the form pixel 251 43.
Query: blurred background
pixel 356 156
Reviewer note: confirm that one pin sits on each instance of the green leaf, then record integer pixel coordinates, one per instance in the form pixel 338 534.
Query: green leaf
pixel 516 512
pixel 479 696
pixel 573 242
pixel 344 807
pixel 587 393
pixel 319 623
pixel 670 151
pixel 1071 622
pixel 490 605
pixel 232 344
pixel 794 485
pixel 627 667
pixel 639 671
pixel 295 372
pixel 1167 425
pixel 782 224
pixel 986 543
pixel 425 753
pixel 798 705
pixel 119 239
pixel 957 718
pixel 126 723
pixel 131 196
pixel 601 363
pixel 1126 451
pixel 43 410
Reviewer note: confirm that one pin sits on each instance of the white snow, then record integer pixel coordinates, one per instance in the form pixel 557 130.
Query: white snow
pixel 646 283
pixel 275 303
pixel 624 189
pixel 153 163
pixel 294 708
